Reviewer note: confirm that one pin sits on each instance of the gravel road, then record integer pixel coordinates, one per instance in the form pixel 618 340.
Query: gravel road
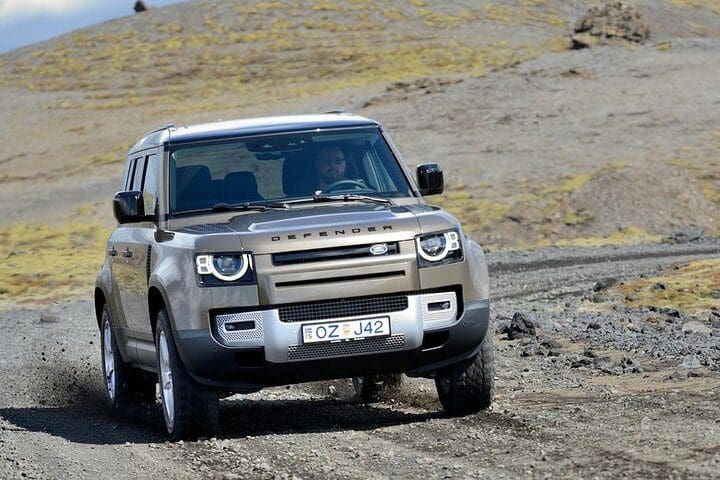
pixel 594 393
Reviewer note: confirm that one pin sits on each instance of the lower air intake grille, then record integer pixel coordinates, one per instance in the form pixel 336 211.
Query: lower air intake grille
pixel 344 349
pixel 345 307
pixel 234 336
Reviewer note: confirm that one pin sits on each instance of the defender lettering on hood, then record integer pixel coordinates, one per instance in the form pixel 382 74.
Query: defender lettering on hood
pixel 326 233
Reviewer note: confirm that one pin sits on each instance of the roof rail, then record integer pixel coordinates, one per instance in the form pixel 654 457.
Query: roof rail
pixel 166 127
pixel 337 112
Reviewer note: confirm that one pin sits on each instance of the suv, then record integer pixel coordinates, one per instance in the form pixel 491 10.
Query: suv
pixel 279 250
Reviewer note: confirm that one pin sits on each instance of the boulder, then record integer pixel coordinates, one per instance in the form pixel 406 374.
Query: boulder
pixel 520 326
pixel 604 284
pixel 609 22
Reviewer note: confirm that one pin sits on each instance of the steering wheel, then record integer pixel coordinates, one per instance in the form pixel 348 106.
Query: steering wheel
pixel 354 183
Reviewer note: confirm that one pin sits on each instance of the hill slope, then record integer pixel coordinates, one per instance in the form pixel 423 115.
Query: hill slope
pixel 541 145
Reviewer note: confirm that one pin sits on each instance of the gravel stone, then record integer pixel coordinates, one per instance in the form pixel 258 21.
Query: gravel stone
pixel 696 327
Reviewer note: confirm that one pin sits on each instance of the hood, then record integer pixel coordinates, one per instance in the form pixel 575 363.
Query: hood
pixel 326 226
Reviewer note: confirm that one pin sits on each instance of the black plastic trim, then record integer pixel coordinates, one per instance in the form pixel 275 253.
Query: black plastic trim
pixel 329 254
pixel 349 278
pixel 239 370
pixel 252 308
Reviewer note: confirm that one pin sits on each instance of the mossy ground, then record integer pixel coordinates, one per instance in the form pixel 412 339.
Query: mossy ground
pixel 43 263
pixel 285 48
pixel 542 209
pixel 703 164
pixel 693 288
pixel 712 5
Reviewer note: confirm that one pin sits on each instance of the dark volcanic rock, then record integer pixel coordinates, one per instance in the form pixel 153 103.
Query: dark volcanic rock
pixel 46 317
pixel 608 22
pixel 714 319
pixel 688 234
pixel 520 326
pixel 534 349
pixel 657 287
pixel 139 6
pixel 604 284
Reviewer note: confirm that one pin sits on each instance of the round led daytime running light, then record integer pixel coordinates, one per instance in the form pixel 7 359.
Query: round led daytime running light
pixel 230 278
pixel 452 243
pixel 206 265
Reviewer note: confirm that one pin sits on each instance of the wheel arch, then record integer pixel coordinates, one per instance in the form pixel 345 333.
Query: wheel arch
pixel 157 300
pixel 100 302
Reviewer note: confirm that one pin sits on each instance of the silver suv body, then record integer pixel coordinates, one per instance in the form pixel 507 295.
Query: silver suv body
pixel 244 257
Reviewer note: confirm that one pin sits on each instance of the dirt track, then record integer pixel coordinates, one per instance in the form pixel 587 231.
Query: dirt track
pixel 618 398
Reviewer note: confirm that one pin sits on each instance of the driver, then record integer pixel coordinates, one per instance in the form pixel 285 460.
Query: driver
pixel 330 166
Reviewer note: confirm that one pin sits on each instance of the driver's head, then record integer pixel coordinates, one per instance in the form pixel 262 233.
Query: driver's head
pixel 330 164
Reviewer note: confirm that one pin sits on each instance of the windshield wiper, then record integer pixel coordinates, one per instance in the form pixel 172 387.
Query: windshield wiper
pixel 228 207
pixel 348 197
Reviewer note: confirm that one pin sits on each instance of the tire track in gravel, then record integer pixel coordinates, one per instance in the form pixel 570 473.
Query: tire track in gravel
pixel 557 273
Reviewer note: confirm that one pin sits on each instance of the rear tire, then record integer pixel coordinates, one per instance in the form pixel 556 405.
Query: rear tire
pixel 467 387
pixel 124 385
pixel 369 387
pixel 190 409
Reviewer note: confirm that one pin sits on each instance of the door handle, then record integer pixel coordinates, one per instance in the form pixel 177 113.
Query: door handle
pixel 112 252
pixel 127 253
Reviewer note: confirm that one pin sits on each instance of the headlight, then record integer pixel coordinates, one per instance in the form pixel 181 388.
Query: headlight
pixel 226 267
pixel 439 248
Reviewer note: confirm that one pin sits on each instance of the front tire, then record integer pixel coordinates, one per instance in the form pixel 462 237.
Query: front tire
pixel 369 387
pixel 189 408
pixel 467 387
pixel 124 385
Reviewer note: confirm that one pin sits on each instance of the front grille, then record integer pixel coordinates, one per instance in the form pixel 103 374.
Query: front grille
pixel 336 253
pixel 344 349
pixel 345 307
pixel 335 280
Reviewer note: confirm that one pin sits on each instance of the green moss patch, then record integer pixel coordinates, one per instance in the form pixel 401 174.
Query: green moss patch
pixel 693 288
pixel 44 263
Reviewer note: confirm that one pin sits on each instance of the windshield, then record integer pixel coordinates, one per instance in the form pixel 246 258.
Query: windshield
pixel 276 168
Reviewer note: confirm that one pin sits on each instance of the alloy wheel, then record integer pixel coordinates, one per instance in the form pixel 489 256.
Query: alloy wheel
pixel 166 382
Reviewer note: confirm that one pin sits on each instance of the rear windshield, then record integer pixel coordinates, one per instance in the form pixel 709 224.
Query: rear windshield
pixel 283 167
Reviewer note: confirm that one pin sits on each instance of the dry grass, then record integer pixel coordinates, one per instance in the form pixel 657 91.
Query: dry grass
pixel 712 5
pixel 693 288
pixel 542 211
pixel 114 156
pixel 42 263
pixel 627 236
pixel 277 47
pixel 474 213
pixel 703 164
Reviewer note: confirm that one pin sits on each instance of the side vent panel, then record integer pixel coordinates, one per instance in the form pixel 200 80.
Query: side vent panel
pixel 147 264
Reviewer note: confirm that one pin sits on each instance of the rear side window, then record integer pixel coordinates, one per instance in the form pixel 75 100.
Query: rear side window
pixel 138 174
pixel 149 188
pixel 128 174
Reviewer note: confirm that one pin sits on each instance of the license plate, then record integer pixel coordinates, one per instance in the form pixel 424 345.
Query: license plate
pixel 347 330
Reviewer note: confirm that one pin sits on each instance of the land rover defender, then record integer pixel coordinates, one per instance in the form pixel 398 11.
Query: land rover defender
pixel 279 250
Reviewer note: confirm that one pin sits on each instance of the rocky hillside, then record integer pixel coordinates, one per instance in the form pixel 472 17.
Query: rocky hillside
pixel 541 144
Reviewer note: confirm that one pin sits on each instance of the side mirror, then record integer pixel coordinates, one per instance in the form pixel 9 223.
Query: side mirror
pixel 430 179
pixel 129 207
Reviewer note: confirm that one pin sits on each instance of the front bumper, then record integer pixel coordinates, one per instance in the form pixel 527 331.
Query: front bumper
pixel 421 342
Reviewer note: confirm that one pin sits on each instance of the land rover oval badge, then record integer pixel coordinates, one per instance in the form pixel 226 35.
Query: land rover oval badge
pixel 379 249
